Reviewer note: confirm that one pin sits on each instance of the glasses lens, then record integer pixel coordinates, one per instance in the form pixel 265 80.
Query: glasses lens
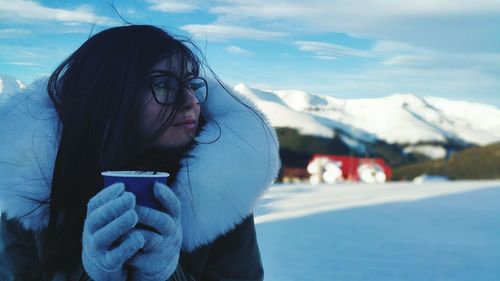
pixel 165 88
pixel 198 86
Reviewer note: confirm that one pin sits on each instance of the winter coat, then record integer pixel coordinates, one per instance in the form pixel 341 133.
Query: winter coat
pixel 232 256
pixel 217 193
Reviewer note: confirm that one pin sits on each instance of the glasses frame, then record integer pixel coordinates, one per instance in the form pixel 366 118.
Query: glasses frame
pixel 183 83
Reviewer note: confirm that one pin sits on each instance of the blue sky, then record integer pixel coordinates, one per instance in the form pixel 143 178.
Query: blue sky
pixel 345 49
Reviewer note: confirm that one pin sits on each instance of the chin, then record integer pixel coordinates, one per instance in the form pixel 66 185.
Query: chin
pixel 177 138
pixel 174 143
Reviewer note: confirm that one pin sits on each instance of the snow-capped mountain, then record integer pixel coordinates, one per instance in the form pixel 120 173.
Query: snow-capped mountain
pixel 423 125
pixel 10 85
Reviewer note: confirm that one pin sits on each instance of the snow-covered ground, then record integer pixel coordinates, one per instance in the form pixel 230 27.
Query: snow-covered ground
pixel 395 231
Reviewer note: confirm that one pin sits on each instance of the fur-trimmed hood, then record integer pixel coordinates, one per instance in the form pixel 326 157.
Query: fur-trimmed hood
pixel 225 180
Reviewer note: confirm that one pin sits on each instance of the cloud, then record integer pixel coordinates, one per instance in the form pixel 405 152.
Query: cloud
pixel 329 51
pixel 262 9
pixel 333 9
pixel 394 54
pixel 235 50
pixel 13 32
pixel 409 61
pixel 485 63
pixel 21 63
pixel 30 56
pixel 24 10
pixel 427 23
pixel 218 32
pixel 383 46
pixel 326 57
pixel 172 6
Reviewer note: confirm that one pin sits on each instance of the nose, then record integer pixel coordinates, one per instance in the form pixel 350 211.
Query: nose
pixel 190 100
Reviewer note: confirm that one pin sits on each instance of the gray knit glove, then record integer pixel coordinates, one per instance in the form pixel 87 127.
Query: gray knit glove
pixel 108 241
pixel 160 255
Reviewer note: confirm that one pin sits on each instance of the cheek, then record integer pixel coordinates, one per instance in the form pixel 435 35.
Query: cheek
pixel 197 111
pixel 153 115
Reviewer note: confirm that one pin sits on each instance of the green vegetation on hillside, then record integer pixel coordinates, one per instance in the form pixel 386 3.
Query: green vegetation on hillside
pixel 471 163
pixel 296 150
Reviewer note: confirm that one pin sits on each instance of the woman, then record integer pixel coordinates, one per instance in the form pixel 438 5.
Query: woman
pixel 132 98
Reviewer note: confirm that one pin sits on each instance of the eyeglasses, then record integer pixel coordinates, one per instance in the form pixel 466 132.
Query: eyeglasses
pixel 166 87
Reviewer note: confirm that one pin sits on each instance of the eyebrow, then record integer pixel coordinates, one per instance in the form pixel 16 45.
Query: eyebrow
pixel 159 71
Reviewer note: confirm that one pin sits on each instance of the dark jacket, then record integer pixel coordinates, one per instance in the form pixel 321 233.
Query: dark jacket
pixel 233 256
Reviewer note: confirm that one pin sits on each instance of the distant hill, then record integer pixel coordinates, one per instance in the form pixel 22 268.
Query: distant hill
pixel 472 163
pixel 10 85
pixel 296 150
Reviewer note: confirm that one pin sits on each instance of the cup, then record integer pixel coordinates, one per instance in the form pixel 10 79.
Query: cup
pixel 138 182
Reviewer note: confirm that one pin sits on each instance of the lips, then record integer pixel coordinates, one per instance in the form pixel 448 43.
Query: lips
pixel 188 122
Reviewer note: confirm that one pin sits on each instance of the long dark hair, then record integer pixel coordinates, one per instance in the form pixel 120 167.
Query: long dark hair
pixel 97 94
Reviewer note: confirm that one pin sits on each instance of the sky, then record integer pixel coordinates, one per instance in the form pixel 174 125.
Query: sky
pixel 344 49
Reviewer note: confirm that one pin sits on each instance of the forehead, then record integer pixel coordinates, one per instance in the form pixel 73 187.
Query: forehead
pixel 177 64
pixel 165 64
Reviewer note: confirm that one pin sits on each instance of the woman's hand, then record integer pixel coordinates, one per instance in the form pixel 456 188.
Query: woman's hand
pixel 160 254
pixel 108 241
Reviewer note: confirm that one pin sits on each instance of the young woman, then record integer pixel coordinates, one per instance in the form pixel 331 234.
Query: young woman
pixel 132 98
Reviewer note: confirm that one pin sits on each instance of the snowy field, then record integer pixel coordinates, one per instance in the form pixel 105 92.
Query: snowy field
pixel 395 232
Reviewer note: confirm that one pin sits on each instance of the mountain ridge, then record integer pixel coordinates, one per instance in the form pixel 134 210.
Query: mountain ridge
pixel 415 123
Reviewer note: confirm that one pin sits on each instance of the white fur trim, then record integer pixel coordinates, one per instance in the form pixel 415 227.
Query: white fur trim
pixel 218 188
pixel 28 126
pixel 229 175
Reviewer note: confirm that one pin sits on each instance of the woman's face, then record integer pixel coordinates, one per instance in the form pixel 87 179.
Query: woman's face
pixel 185 123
